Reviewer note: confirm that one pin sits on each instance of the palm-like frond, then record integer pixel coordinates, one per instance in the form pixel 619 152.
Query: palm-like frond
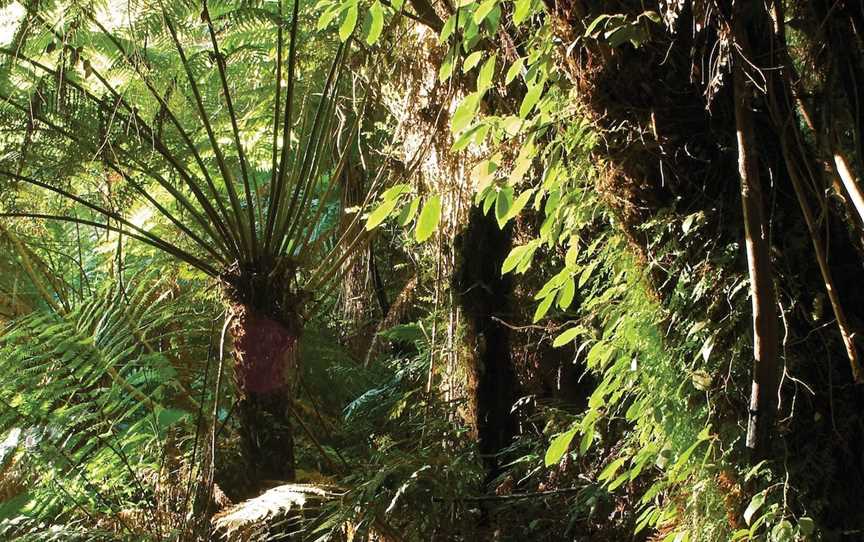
pixel 94 394
pixel 190 110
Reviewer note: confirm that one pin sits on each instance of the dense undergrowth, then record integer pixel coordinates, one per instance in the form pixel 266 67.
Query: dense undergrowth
pixel 627 310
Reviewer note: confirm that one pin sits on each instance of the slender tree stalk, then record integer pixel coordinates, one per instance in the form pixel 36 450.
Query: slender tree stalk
pixel 763 394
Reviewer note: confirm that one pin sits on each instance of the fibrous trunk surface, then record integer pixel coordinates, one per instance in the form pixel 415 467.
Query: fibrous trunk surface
pixel 265 353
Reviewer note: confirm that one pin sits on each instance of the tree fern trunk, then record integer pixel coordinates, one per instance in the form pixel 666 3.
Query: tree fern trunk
pixel 265 353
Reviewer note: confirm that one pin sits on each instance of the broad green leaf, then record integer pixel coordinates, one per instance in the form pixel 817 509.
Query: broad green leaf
pixel 543 308
pixel 586 273
pixel 783 532
pixel 395 191
pixel 517 206
pixel 409 211
pixel 376 12
pixel 553 284
pixel 595 23
pixel 468 136
pixel 568 336
pixel 565 297
pixel 503 204
pixel 523 162
pixel 483 10
pixel 558 447
pixel 512 125
pixel 484 78
pixel 572 253
pixel 349 22
pixel 531 98
pixel 521 11
pixel 397 4
pixel 489 201
pixel 652 16
pixel 754 506
pixel 472 60
pixel 611 469
pixel 166 417
pixel 465 113
pixel 518 255
pixel 328 16
pixel 515 70
pixel 429 218
pixel 446 69
pixel 806 525
pixel 587 439
pixel 447 29
pixel 483 174
pixel 380 214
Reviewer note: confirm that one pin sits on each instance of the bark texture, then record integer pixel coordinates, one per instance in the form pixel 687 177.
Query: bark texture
pixel 265 355
pixel 484 296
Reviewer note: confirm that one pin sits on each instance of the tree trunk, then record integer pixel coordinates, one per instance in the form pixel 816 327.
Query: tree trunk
pixel 484 294
pixel 763 394
pixel 265 354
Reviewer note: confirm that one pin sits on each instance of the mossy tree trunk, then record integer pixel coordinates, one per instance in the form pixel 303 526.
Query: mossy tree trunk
pixel 485 297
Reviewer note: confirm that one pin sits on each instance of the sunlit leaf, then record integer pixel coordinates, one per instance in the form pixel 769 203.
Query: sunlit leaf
pixel 429 218
pixel 349 22
pixel 376 13
pixel 558 447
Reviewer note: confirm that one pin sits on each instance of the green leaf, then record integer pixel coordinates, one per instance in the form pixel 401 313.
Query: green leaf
pixel 565 296
pixel 472 60
pixel 484 78
pixel 483 174
pixel 806 525
pixel 595 23
pixel 611 469
pixel 558 447
pixel 376 12
pixel 572 253
pixel 166 417
pixel 447 29
pixel 783 532
pixel 568 336
pixel 395 191
pixel 468 136
pixel 516 207
pixel 483 10
pixel 409 211
pixel 651 15
pixel 465 113
pixel 517 256
pixel 543 308
pixel 515 70
pixel 587 439
pixel 349 22
pixel 512 125
pixel 754 506
pixel 430 216
pixel 328 16
pixel 397 4
pixel 446 69
pixel 531 98
pixel 381 213
pixel 523 162
pixel 521 11
pixel 503 204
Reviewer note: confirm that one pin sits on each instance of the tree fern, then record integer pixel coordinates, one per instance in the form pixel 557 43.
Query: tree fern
pixel 96 395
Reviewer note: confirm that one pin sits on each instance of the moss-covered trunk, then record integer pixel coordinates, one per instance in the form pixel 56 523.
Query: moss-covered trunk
pixel 484 296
